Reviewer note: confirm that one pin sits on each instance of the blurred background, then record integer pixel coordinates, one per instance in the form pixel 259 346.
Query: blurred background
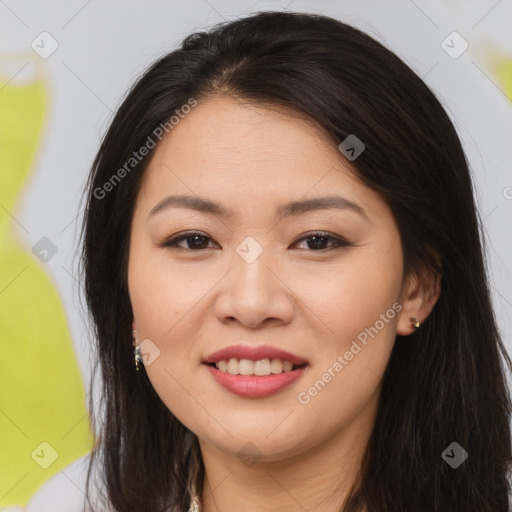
pixel 65 67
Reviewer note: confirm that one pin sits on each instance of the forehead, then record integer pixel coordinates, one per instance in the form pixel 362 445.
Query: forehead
pixel 248 152
pixel 246 134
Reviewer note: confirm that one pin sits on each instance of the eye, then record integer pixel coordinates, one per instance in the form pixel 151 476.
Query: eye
pixel 318 239
pixel 194 239
pixel 197 240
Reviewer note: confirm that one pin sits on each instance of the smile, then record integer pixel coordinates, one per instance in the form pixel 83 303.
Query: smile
pixel 262 367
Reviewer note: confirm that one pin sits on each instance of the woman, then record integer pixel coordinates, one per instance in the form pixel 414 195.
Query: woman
pixel 284 268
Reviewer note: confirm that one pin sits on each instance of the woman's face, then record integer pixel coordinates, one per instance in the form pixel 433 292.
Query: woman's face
pixel 255 275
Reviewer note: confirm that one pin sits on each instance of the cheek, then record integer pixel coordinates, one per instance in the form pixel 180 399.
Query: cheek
pixel 169 304
pixel 163 301
pixel 162 294
pixel 352 296
pixel 358 305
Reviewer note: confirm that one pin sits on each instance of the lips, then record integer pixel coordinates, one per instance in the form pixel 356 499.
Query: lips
pixel 250 386
pixel 254 353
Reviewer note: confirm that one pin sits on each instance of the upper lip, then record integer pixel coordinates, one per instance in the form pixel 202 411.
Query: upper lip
pixel 254 353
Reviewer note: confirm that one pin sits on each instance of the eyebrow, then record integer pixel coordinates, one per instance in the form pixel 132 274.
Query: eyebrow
pixel 200 204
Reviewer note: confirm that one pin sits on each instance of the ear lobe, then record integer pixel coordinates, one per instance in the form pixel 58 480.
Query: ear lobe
pixel 422 292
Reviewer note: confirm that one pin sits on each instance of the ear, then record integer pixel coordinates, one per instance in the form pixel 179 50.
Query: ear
pixel 420 292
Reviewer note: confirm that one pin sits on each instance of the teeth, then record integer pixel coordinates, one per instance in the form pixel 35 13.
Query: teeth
pixel 247 367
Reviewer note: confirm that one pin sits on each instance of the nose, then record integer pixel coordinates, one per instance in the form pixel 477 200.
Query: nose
pixel 255 294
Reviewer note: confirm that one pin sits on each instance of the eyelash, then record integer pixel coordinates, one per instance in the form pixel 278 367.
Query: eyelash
pixel 172 242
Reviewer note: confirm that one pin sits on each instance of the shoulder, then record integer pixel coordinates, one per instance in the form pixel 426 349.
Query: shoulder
pixel 65 491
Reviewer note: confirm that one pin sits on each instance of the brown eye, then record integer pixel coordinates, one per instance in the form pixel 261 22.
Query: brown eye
pixel 195 240
pixel 317 241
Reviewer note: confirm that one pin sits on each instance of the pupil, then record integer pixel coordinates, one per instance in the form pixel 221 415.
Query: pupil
pixel 196 238
pixel 317 241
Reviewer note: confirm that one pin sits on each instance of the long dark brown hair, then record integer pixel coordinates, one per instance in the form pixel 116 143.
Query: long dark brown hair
pixel 445 383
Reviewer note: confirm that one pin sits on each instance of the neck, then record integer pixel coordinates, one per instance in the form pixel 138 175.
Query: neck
pixel 318 479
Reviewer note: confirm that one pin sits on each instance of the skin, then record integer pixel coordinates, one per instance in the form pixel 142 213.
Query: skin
pixel 309 301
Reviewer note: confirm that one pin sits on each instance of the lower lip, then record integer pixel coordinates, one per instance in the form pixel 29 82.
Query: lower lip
pixel 252 386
